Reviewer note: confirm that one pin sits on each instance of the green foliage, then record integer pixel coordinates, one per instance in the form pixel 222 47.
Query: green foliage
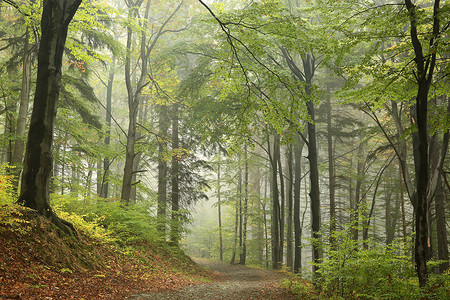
pixel 381 272
pixel 303 288
pixel 109 219
pixel 10 213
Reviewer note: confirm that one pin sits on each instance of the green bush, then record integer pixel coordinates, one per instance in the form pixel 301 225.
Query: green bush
pixel 109 217
pixel 349 270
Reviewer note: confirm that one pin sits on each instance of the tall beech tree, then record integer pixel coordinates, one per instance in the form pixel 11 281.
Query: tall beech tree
pixel 134 90
pixel 305 77
pixel 425 64
pixel 34 193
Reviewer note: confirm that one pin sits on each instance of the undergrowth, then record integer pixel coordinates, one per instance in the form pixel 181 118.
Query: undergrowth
pixel 358 270
pixel 117 251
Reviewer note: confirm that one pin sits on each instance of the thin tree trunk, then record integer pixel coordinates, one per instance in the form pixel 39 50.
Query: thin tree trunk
pixel 142 115
pixel 282 205
pixel 289 182
pixel 106 160
pixel 266 233
pixel 331 173
pixel 275 206
pixel 259 213
pixel 240 205
pixel 162 171
pixel 236 225
pixel 219 210
pixel 243 255
pixel 359 180
pixel 441 228
pixel 372 208
pixel 176 220
pixel 314 193
pixel 439 199
pixel 402 205
pixel 297 225
pixel 9 128
pixel 19 145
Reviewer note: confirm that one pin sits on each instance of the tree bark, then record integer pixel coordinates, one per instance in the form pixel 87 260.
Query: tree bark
pixel 359 180
pixel 314 193
pixel 243 255
pixel 176 220
pixel 134 97
pixel 424 74
pixel 297 225
pixel 309 66
pixel 441 228
pixel 162 171
pixel 275 205
pixel 219 210
pixel 289 231
pixel 236 222
pixel 135 93
pixel 331 173
pixel 106 161
pixel 282 205
pixel 19 146
pixel 437 153
pixel 56 16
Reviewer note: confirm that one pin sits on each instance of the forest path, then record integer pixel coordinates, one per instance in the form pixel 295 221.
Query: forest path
pixel 235 282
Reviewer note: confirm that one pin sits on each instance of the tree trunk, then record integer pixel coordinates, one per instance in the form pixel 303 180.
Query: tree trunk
pixel 135 93
pixel 306 77
pixel 275 206
pixel 134 98
pixel 359 180
pixel 240 204
pixel 424 74
pixel 266 231
pixel 219 211
pixel 243 255
pixel 289 181
pixel 297 225
pixel 282 205
pixel 162 170
pixel 56 16
pixel 176 220
pixel 106 161
pixel 402 205
pixel 331 173
pixel 442 242
pixel 439 199
pixel 17 157
pixel 236 223
pixel 260 216
pixel 372 207
pixel 9 128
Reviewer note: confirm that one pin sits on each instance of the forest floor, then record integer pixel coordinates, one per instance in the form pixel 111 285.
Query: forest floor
pixel 38 262
pixel 232 282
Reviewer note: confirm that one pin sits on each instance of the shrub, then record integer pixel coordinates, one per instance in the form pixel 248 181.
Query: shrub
pixel 349 270
pixel 108 218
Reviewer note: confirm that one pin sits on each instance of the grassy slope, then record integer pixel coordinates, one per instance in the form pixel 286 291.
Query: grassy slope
pixel 41 263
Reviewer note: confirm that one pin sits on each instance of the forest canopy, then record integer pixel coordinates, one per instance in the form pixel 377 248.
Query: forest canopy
pixel 311 135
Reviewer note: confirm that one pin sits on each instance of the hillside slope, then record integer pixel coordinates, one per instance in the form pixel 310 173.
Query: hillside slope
pixel 37 261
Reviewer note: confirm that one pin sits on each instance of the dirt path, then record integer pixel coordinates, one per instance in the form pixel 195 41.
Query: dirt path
pixel 236 283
